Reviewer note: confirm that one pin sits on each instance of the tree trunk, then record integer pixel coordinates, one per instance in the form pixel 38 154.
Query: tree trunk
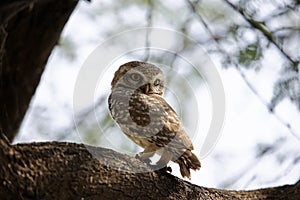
pixel 28 32
pixel 54 170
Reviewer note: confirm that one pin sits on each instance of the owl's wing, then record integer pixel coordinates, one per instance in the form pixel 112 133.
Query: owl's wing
pixel 172 125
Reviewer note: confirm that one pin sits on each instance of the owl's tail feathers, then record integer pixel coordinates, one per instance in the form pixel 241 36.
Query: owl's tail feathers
pixel 188 161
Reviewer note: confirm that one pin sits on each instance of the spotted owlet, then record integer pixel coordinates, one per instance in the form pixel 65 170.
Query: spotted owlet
pixel 136 103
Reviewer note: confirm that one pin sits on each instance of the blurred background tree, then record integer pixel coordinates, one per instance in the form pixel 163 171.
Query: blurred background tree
pixel 255 44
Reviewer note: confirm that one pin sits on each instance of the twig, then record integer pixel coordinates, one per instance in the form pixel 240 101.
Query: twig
pixel 287 28
pixel 193 8
pixel 258 159
pixel 250 86
pixel 148 32
pixel 258 26
pixel 287 170
pixel 255 92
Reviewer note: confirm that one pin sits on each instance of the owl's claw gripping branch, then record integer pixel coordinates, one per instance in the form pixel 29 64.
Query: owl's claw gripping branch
pixel 166 169
pixel 154 167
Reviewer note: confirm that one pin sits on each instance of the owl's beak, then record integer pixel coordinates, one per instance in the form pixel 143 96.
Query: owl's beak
pixel 147 89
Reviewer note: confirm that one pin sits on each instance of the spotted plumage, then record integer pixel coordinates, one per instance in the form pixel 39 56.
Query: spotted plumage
pixel 136 103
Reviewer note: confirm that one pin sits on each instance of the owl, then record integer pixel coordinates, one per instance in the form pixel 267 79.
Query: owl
pixel 136 103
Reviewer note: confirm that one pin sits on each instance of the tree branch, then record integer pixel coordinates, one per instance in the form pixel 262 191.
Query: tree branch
pixel 55 170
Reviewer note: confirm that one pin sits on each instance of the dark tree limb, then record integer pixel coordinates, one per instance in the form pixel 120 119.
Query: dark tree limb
pixel 56 170
pixel 28 32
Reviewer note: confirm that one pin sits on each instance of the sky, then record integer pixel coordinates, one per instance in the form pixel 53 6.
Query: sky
pixel 248 124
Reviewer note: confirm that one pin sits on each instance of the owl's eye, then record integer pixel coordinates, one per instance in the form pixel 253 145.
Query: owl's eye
pixel 157 82
pixel 135 77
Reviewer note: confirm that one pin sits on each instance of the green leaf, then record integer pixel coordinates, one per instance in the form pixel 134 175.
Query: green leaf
pixel 250 54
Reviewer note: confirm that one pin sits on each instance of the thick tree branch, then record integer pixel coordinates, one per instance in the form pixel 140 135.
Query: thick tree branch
pixel 68 171
pixel 28 32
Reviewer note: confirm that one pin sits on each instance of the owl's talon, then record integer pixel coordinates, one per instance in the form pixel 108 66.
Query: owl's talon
pixel 137 156
pixel 166 169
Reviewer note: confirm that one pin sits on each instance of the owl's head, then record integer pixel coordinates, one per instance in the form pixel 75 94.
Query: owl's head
pixel 140 77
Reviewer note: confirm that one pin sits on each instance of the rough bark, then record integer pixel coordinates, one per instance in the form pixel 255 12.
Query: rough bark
pixel 28 32
pixel 56 170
